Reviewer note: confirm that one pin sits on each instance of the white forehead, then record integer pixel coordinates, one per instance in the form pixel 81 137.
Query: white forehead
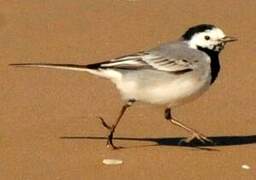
pixel 215 33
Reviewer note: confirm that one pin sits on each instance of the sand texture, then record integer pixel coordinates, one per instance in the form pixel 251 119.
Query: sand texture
pixel 48 124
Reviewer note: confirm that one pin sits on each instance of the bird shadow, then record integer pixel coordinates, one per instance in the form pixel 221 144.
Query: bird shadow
pixel 175 141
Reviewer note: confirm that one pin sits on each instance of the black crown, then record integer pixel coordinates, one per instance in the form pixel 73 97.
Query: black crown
pixel 196 29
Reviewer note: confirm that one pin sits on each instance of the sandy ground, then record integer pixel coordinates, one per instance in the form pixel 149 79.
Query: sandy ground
pixel 48 124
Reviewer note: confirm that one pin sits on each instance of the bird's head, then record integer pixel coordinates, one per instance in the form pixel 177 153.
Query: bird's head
pixel 207 36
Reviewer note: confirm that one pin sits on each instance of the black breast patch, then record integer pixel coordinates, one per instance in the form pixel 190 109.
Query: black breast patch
pixel 215 63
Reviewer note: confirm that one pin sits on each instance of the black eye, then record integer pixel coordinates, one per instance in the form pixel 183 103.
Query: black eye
pixel 207 37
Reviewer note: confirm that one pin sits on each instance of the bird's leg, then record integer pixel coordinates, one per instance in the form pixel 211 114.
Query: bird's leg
pixel 195 134
pixel 113 127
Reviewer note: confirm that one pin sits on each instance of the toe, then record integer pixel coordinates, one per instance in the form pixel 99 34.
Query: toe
pixel 192 139
pixel 104 123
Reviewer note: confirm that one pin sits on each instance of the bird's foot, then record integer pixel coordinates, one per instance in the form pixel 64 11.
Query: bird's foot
pixel 110 136
pixel 196 136
pixel 111 144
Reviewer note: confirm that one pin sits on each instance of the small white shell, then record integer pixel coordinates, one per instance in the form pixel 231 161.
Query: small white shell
pixel 112 161
pixel 245 166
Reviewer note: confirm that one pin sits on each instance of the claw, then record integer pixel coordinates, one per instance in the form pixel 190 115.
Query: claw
pixel 113 146
pixel 104 123
pixel 110 142
pixel 200 137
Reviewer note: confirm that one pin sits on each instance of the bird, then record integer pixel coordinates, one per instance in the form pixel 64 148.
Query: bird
pixel 170 74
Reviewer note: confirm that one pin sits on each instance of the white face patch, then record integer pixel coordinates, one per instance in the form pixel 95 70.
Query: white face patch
pixel 207 39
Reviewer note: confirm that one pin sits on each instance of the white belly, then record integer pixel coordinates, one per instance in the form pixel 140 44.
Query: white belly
pixel 174 92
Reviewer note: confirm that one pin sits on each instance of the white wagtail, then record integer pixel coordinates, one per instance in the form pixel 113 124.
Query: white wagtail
pixel 171 74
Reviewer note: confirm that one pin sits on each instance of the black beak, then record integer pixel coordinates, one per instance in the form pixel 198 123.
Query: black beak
pixel 229 39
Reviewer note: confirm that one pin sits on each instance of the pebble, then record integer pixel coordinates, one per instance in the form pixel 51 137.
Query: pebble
pixel 112 161
pixel 245 166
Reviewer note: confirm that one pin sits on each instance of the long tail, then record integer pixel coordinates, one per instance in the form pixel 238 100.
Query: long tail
pixel 73 67
pixel 91 68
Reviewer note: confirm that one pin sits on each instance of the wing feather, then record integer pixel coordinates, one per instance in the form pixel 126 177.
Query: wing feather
pixel 147 60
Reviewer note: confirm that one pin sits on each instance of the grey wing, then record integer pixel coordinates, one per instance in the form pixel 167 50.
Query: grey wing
pixel 142 60
pixel 169 64
pixel 132 61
